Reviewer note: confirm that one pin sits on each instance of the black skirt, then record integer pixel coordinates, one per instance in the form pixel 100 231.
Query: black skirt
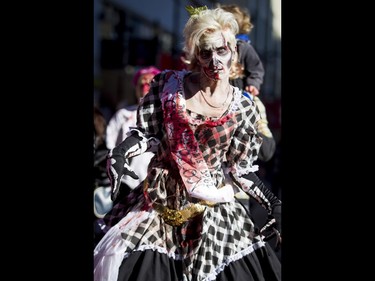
pixel 149 265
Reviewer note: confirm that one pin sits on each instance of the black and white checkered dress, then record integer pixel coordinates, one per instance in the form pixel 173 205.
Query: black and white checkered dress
pixel 218 244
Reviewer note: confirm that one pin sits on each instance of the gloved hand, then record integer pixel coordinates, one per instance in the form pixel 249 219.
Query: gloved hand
pixel 118 164
pixel 117 167
pixel 254 187
pixel 272 226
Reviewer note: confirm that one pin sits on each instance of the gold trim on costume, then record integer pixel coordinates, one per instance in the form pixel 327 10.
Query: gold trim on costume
pixel 178 217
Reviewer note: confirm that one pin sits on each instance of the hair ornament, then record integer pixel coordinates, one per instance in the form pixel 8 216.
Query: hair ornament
pixel 195 10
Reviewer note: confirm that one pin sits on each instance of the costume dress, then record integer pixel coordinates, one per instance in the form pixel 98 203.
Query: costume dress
pixel 144 239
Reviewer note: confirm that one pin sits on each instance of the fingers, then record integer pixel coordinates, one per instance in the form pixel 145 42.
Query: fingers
pixel 253 90
pixel 115 188
pixel 129 172
pixel 117 168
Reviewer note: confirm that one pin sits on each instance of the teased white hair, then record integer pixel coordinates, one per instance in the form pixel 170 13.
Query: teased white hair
pixel 208 22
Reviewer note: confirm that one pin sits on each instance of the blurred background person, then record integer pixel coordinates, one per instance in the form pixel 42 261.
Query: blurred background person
pixel 126 116
pixel 248 58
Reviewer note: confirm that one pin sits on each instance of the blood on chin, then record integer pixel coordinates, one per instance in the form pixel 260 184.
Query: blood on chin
pixel 211 74
pixel 145 88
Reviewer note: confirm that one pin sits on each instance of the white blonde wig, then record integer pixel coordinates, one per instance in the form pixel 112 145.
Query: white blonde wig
pixel 207 22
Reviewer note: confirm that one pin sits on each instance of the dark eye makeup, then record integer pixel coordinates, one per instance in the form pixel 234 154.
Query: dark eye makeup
pixel 221 51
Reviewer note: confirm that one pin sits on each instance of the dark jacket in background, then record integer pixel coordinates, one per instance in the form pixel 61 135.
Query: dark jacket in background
pixel 253 67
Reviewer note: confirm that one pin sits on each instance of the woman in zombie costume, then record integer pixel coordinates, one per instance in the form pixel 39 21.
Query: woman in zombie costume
pixel 183 222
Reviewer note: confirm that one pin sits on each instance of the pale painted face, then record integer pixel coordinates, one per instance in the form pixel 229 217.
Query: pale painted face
pixel 215 56
pixel 143 85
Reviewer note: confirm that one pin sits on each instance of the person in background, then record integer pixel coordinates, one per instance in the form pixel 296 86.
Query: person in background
pixel 183 222
pixel 248 58
pixel 124 119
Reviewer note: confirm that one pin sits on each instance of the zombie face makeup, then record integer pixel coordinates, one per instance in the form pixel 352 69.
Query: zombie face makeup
pixel 143 85
pixel 215 56
pixel 142 79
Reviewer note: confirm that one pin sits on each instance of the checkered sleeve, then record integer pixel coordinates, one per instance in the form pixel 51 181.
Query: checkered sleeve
pixel 246 142
pixel 243 152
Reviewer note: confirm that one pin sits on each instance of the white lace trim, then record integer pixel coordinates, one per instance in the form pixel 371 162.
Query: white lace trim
pixel 235 257
pixel 159 249
pixel 249 169
pixel 240 170
pixel 212 276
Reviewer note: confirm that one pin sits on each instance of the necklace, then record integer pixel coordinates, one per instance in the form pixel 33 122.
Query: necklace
pixel 222 105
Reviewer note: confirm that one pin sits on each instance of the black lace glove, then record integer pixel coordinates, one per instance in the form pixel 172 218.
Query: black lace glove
pixel 117 162
pixel 272 227
pixel 254 187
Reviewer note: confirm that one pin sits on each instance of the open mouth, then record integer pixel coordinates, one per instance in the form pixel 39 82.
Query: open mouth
pixel 213 73
pixel 214 70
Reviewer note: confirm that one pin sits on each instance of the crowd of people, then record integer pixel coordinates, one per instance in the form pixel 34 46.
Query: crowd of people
pixel 176 160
